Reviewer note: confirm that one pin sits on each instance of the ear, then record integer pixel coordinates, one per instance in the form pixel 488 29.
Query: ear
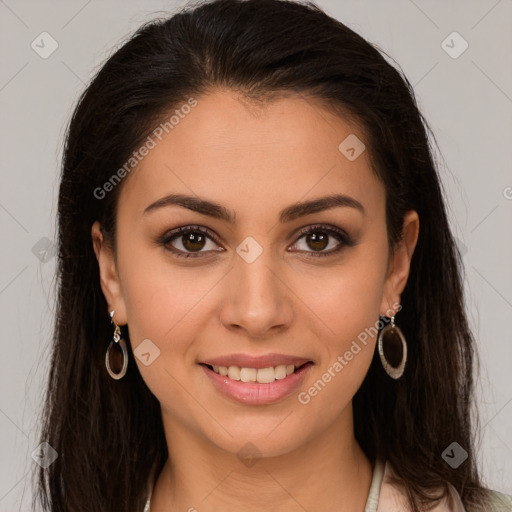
pixel 399 264
pixel 109 278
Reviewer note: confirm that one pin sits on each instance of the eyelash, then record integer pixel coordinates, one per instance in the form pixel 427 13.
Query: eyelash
pixel 339 234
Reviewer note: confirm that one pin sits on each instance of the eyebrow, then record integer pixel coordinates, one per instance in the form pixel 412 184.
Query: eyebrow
pixel 288 214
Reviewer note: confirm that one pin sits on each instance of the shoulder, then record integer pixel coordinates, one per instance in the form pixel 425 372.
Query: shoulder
pixel 500 502
pixel 393 498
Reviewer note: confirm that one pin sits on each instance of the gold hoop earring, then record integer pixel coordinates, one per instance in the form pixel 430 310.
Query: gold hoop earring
pixel 392 349
pixel 120 342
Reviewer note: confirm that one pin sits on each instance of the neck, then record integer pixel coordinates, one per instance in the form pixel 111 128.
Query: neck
pixel 325 473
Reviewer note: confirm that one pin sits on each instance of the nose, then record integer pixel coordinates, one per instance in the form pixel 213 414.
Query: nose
pixel 257 301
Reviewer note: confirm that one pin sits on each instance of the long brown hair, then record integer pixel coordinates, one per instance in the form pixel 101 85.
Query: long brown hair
pixel 109 434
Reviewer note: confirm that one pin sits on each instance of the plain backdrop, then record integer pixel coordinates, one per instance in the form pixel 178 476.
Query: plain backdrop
pixel 466 97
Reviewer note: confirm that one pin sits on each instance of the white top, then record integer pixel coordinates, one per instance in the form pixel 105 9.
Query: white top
pixel 384 497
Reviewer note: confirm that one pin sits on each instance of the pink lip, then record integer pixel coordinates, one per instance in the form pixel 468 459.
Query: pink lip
pixel 254 393
pixel 265 361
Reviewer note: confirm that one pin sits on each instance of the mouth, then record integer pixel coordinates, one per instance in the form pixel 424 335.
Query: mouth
pixel 257 386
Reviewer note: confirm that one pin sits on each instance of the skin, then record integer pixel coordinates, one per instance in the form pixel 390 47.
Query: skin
pixel 255 161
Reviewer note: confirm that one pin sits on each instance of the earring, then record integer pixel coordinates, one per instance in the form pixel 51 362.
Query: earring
pixel 392 349
pixel 120 343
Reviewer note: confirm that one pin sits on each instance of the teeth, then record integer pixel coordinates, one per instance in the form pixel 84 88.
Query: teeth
pixel 280 371
pixel 234 372
pixel 248 374
pixel 266 375
pixel 260 375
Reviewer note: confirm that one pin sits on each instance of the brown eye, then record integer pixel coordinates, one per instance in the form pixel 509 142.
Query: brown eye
pixel 317 239
pixel 189 241
pixel 193 241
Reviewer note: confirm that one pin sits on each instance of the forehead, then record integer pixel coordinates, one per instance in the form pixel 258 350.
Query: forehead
pixel 233 151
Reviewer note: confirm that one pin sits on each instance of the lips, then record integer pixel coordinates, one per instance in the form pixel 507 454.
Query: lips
pixel 256 380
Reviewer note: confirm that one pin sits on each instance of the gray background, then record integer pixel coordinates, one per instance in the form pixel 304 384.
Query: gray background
pixel 467 101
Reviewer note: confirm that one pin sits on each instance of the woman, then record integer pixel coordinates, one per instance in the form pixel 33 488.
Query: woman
pixel 260 299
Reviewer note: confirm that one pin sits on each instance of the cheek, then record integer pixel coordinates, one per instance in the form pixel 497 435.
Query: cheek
pixel 167 307
pixel 347 307
pixel 161 298
pixel 349 313
pixel 346 298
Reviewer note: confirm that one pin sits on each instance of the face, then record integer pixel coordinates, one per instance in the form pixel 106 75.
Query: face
pixel 268 277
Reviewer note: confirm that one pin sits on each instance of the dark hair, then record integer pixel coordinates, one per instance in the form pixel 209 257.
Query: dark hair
pixel 109 434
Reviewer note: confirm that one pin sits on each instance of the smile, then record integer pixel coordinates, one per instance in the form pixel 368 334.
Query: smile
pixel 256 386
